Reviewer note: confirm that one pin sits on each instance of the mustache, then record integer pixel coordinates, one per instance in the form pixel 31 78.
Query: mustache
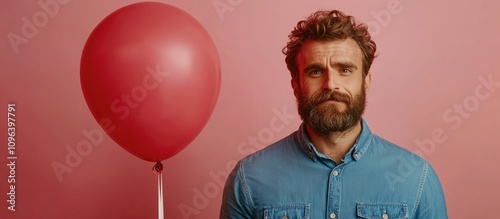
pixel 333 95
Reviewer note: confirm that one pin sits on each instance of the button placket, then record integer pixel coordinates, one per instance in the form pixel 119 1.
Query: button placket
pixel 334 192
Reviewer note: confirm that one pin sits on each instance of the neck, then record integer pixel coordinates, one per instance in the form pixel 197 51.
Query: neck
pixel 337 144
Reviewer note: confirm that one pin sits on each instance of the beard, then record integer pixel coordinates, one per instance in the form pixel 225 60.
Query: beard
pixel 327 118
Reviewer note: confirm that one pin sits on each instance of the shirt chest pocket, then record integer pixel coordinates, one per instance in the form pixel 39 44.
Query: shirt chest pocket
pixel 290 211
pixel 382 210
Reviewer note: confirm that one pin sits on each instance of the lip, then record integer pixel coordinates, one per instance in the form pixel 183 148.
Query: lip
pixel 331 102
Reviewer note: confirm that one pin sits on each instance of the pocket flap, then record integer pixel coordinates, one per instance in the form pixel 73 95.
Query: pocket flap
pixel 382 210
pixel 287 211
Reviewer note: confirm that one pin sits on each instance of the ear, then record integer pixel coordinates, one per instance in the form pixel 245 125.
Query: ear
pixel 368 80
pixel 296 88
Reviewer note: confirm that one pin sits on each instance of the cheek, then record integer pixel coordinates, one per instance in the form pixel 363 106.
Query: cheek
pixel 356 90
pixel 354 86
pixel 311 86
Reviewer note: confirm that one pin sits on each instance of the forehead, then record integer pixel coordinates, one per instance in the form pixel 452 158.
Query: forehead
pixel 342 50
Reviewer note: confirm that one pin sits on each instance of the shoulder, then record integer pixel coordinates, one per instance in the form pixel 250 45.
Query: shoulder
pixel 275 153
pixel 399 166
pixel 402 164
pixel 383 148
pixel 283 158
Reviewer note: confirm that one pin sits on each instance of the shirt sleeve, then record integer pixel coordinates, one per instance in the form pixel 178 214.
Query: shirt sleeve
pixel 432 202
pixel 236 202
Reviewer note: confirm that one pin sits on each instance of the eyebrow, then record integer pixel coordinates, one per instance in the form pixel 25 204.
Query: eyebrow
pixel 346 64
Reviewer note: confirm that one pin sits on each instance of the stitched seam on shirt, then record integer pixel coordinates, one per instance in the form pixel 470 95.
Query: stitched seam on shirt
pixel 420 187
pixel 367 144
pixel 299 141
pixel 340 190
pixel 245 186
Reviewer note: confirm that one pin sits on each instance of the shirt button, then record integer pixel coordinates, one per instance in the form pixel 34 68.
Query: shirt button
pixel 332 215
pixel 335 173
pixel 385 216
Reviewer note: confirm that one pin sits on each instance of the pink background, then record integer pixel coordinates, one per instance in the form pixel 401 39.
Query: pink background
pixel 433 57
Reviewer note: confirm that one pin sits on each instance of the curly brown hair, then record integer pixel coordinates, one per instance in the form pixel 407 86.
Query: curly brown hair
pixel 329 25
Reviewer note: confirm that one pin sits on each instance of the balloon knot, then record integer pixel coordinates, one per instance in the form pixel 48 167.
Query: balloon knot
pixel 158 167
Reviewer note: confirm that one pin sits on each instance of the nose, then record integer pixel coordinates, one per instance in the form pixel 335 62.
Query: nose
pixel 331 82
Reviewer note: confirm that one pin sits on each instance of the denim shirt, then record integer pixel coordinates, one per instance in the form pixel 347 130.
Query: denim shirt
pixel 290 179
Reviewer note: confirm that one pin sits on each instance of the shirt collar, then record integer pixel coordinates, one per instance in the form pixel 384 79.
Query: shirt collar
pixel 356 152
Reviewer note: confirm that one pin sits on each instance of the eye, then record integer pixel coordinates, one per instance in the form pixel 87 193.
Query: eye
pixel 314 73
pixel 345 71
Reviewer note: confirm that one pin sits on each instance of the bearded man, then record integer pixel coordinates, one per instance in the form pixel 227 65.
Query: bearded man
pixel 333 166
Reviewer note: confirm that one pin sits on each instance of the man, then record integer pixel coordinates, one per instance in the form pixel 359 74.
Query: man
pixel 333 166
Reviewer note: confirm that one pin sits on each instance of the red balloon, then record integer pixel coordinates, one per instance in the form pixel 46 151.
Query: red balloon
pixel 150 74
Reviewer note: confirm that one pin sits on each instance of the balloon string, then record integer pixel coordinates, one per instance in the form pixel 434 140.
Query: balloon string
pixel 157 168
